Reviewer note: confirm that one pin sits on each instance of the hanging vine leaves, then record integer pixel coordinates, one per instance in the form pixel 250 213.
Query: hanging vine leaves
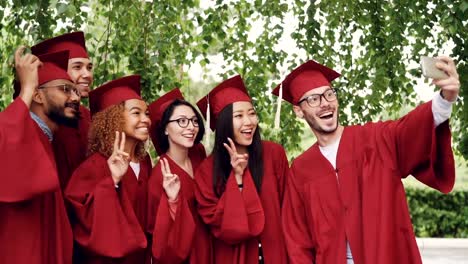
pixel 373 43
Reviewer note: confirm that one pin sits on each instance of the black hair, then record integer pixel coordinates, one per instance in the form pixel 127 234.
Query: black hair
pixel 162 138
pixel 222 161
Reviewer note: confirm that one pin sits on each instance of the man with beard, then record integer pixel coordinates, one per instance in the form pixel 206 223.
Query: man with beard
pixel 70 142
pixel 34 227
pixel 345 201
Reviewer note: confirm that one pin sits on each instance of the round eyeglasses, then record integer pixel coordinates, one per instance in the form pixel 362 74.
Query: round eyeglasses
pixel 66 88
pixel 314 100
pixel 184 122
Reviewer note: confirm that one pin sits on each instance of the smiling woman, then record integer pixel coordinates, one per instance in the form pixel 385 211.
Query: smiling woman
pixel 241 184
pixel 108 192
pixel 179 235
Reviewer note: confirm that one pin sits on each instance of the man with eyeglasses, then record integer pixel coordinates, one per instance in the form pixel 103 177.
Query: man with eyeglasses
pixel 34 226
pixel 70 142
pixel 345 201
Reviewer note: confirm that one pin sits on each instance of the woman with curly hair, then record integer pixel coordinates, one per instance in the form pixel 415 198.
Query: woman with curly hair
pixel 240 187
pixel 108 191
pixel 179 235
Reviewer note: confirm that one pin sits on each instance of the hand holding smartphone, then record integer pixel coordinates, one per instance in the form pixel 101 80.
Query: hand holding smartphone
pixel 430 70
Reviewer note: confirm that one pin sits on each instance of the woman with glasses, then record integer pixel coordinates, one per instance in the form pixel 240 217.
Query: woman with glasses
pixel 107 193
pixel 239 188
pixel 179 235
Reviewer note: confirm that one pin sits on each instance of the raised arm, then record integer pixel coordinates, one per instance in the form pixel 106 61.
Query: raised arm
pixel 24 176
pixel 420 143
pixel 105 220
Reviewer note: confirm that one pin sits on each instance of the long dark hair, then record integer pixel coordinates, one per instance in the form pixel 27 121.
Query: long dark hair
pixel 222 161
pixel 162 138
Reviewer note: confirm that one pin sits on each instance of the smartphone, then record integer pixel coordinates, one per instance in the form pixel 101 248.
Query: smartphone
pixel 429 69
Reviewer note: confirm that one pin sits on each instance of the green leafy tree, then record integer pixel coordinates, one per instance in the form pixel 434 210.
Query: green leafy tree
pixel 370 42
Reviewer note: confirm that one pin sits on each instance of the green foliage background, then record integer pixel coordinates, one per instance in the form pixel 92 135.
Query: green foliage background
pixel 437 215
pixel 160 40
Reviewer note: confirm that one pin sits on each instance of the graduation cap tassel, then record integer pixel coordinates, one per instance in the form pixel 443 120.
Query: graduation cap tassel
pixel 208 127
pixel 278 108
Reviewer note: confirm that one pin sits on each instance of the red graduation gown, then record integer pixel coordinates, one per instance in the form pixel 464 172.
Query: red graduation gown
pixel 185 239
pixel 70 145
pixel 34 226
pixel 367 205
pixel 108 223
pixel 239 220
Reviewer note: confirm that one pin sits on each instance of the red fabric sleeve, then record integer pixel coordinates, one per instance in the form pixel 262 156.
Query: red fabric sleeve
pixel 172 238
pixel 27 168
pixel 440 170
pixel 419 148
pixel 105 220
pixel 235 216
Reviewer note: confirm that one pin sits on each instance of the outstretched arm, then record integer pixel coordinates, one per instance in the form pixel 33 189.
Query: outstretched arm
pixel 26 66
pixel 449 90
pixel 420 142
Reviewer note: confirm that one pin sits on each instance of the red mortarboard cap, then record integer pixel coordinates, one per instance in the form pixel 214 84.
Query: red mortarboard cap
pixel 54 67
pixel 114 92
pixel 230 91
pixel 304 78
pixel 157 109
pixel 74 42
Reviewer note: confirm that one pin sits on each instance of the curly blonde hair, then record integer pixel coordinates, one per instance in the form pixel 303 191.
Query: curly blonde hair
pixel 102 132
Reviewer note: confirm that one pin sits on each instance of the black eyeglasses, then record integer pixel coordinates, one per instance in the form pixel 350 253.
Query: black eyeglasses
pixel 184 122
pixel 66 88
pixel 314 100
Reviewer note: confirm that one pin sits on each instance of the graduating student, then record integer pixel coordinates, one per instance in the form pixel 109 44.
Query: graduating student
pixel 345 200
pixel 179 235
pixel 70 143
pixel 34 227
pixel 108 191
pixel 239 188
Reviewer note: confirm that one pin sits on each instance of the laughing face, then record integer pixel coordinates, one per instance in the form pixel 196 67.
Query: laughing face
pixel 136 120
pixel 81 72
pixel 323 118
pixel 182 128
pixel 245 121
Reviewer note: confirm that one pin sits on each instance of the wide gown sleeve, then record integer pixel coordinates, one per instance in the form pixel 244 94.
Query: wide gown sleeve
pixel 105 220
pixel 27 169
pixel 236 215
pixel 417 147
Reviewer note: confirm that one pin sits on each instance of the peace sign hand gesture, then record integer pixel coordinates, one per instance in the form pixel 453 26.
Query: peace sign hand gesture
pixel 171 182
pixel 238 161
pixel 119 160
